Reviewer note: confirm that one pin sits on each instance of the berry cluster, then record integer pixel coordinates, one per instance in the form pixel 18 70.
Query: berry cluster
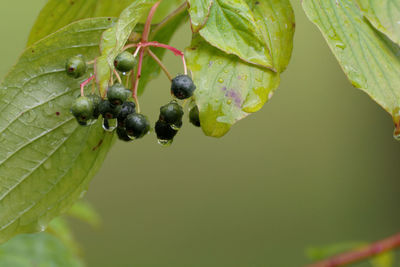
pixel 118 108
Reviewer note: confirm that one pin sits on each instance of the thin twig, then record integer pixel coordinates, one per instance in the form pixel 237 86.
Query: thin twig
pixel 117 75
pixel 360 254
pixel 86 82
pixel 163 67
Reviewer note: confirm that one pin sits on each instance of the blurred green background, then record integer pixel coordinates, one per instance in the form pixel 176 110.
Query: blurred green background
pixel 317 165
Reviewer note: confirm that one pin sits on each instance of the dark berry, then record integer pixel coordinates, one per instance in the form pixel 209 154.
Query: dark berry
pixel 107 110
pixel 137 125
pixel 127 108
pixel 96 100
pixel 182 87
pixel 82 109
pixel 124 62
pixel 171 113
pixel 164 131
pixel 117 94
pixel 76 66
pixel 194 116
pixel 122 135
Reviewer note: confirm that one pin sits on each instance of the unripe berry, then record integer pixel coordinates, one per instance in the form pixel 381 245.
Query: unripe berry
pixel 171 113
pixel 76 66
pixel 137 125
pixel 182 87
pixel 124 62
pixel 194 116
pixel 82 109
pixel 117 94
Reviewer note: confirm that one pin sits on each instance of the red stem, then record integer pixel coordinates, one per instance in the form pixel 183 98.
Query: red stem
pixel 147 26
pixel 361 254
pixel 86 83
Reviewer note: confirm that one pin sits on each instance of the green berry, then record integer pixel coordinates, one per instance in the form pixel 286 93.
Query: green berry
pixel 107 110
pixel 127 108
pixel 124 62
pixel 182 87
pixel 164 131
pixel 171 113
pixel 96 100
pixel 76 66
pixel 117 94
pixel 194 117
pixel 122 135
pixel 137 125
pixel 82 109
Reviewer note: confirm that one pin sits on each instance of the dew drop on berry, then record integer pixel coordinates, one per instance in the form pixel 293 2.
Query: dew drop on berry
pixel 176 127
pixel 165 143
pixel 110 125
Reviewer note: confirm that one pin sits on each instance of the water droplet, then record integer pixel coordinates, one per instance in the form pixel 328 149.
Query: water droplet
pixel 47 165
pixel 110 125
pixel 165 143
pixel 226 70
pixel 229 101
pixel 340 45
pixel 176 127
pixel 220 80
pixel 124 73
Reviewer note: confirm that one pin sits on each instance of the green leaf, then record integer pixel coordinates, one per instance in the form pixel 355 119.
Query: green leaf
pixel 383 260
pixel 85 212
pixel 276 20
pixel 114 39
pixel 369 59
pixel 384 15
pixel 199 11
pixel 46 158
pixel 231 27
pixel 33 250
pixel 59 13
pixel 227 87
pixel 234 88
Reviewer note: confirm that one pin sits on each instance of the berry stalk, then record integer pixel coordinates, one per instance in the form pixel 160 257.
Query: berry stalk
pixel 363 253
pixel 86 82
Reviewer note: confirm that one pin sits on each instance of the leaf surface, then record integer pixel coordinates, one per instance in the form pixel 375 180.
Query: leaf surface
pixel 59 13
pixel 47 159
pixel 231 27
pixel 384 15
pixel 369 59
pixel 199 11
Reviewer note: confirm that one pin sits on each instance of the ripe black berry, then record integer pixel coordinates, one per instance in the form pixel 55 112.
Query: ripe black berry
pixel 122 135
pixel 117 94
pixel 127 108
pixel 182 87
pixel 164 131
pixel 107 110
pixel 124 62
pixel 96 100
pixel 194 116
pixel 82 109
pixel 76 66
pixel 137 125
pixel 171 113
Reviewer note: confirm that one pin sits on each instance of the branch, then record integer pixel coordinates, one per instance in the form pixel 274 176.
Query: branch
pixel 360 254
pixel 156 59
pixel 167 19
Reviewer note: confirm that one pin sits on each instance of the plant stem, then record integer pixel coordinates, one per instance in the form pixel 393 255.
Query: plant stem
pixel 118 76
pixel 363 253
pixel 147 26
pixel 163 67
pixel 168 18
pixel 86 82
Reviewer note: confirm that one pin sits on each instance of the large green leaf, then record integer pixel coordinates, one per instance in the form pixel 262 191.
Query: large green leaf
pixel 231 27
pixel 59 13
pixel 46 159
pixel 34 250
pixel 369 59
pixel 115 38
pixel 227 87
pixel 384 15
pixel 234 88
